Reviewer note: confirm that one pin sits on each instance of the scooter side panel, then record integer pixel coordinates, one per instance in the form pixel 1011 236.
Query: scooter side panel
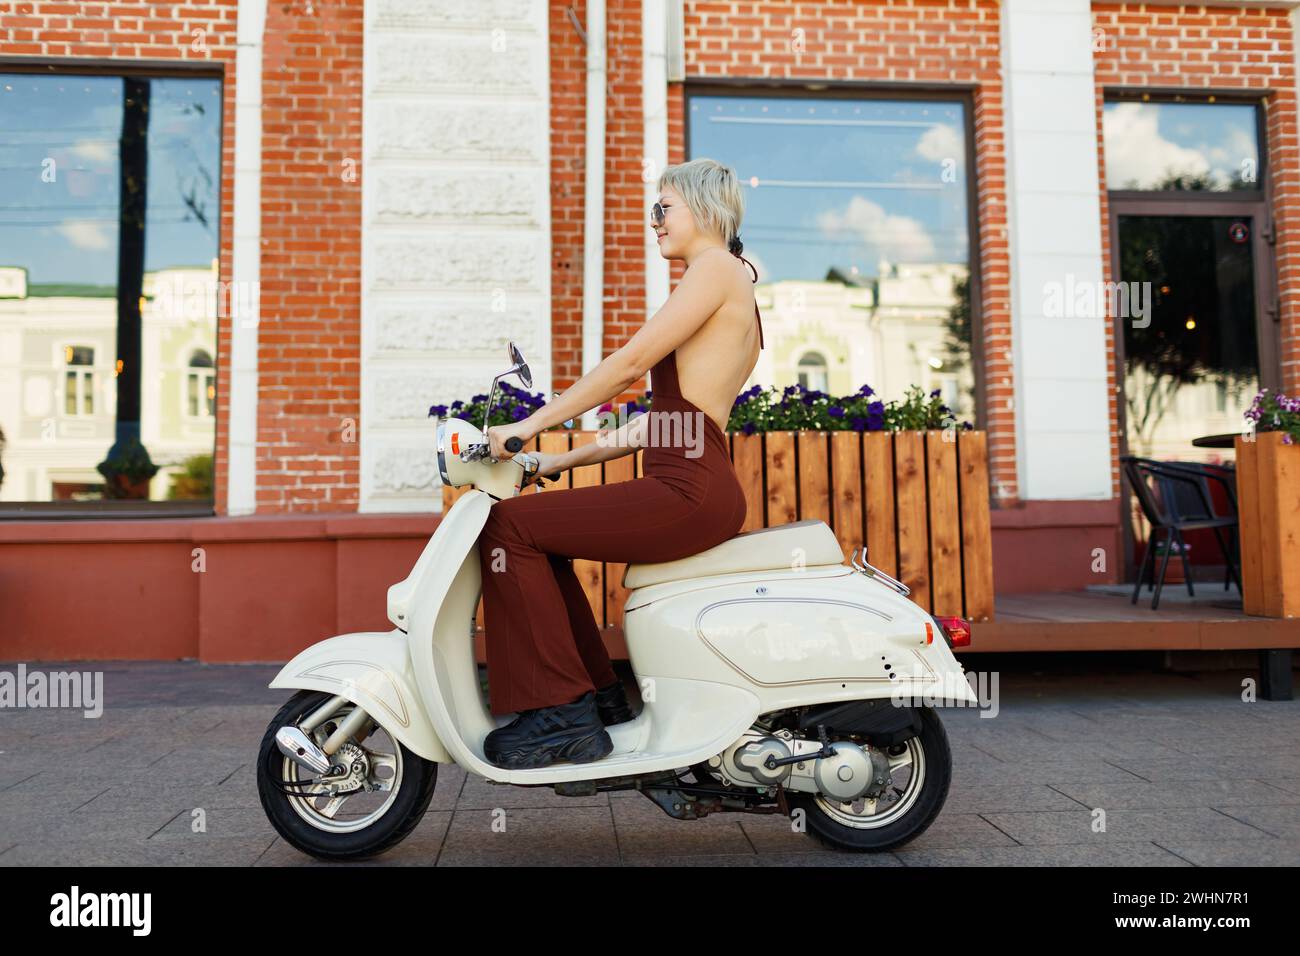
pixel 796 640
pixel 373 670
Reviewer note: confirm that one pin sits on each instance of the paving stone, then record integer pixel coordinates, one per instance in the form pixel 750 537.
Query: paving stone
pixel 480 794
pixel 1007 797
pixel 645 830
pixel 1226 852
pixel 1124 826
pixel 1111 854
pixel 1182 793
pixel 240 852
pixel 577 836
pixel 1280 820
pixel 773 859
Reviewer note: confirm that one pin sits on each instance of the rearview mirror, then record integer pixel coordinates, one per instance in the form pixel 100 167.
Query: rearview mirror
pixel 520 366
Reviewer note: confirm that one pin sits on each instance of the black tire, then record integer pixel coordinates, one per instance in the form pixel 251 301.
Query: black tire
pixel 419 776
pixel 828 831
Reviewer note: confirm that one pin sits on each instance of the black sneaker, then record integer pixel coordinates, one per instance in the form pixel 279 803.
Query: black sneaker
pixel 612 705
pixel 547 735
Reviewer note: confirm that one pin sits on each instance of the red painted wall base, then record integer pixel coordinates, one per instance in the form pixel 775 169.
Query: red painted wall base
pixel 225 590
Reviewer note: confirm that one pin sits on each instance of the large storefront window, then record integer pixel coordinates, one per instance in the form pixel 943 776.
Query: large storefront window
pixel 858 221
pixel 109 214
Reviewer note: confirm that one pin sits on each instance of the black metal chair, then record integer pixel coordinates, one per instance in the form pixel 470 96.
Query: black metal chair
pixel 1226 477
pixel 1175 497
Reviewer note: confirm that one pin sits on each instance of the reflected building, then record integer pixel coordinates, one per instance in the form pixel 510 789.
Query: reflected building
pixel 57 389
pixel 890 331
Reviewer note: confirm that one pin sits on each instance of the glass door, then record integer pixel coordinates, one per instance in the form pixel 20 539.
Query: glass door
pixel 1191 338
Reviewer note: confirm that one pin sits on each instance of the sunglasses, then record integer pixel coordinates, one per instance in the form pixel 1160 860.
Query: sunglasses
pixel 657 214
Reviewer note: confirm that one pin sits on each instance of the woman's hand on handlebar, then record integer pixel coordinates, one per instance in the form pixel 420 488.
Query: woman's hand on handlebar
pixel 548 465
pixel 499 438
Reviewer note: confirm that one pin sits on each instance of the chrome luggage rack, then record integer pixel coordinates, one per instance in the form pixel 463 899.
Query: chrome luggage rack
pixel 873 572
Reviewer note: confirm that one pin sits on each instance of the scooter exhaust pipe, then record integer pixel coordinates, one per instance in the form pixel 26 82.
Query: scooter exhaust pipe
pixel 302 750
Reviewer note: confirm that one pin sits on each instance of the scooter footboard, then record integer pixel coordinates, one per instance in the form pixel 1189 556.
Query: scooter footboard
pixel 373 670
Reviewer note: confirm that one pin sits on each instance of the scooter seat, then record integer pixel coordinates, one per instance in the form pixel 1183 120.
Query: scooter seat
pixel 801 543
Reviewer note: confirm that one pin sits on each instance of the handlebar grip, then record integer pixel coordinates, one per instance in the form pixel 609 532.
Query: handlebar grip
pixel 514 443
pixel 553 476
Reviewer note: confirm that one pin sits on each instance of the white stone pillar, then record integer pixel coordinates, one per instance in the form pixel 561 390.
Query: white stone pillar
pixel 1054 222
pixel 456 230
pixel 246 261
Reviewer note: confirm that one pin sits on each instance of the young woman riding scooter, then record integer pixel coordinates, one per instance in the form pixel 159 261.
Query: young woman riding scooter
pixel 546 661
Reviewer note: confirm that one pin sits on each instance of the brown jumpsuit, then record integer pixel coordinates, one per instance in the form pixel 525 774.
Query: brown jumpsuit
pixel 543 643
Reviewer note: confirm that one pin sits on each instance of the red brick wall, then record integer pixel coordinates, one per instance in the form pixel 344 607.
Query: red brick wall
pixel 568 139
pixel 201 31
pixel 1202 48
pixel 625 216
pixel 309 335
pixel 896 41
pixel 627 221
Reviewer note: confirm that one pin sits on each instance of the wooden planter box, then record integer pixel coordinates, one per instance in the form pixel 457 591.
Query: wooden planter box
pixel 1268 502
pixel 925 520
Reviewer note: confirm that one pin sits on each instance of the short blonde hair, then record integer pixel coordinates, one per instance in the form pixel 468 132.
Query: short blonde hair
pixel 711 192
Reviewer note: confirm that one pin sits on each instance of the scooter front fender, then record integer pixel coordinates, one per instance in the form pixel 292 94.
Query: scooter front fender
pixel 373 670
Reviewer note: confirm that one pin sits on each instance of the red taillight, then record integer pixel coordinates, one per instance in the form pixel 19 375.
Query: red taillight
pixel 956 629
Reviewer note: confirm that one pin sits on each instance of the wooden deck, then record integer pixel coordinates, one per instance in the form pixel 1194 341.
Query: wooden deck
pixel 1102 619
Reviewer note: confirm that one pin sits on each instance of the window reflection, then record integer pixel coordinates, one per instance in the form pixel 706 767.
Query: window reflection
pixel 109 206
pixel 857 221
pixel 1192 367
pixel 1181 146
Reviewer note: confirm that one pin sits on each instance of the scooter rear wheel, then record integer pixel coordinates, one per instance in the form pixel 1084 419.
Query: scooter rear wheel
pixel 874 826
pixel 312 822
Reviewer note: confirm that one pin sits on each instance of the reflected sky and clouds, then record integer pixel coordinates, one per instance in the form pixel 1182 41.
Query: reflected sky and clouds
pixel 65 231
pixel 839 182
pixel 857 220
pixel 1149 143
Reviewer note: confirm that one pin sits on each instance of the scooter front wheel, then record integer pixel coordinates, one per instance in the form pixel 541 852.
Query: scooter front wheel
pixel 370 809
pixel 920 770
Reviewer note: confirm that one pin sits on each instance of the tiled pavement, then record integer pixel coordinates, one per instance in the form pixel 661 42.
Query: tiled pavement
pixel 1187 773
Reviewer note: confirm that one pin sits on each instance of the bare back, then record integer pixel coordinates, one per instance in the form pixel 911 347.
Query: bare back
pixel 714 363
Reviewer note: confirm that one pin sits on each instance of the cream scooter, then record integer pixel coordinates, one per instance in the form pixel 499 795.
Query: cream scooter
pixel 774 678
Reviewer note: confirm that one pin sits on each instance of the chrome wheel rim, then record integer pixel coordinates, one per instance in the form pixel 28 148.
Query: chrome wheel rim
pixel 348 813
pixel 869 814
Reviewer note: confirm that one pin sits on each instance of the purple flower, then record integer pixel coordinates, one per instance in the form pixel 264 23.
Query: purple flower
pixel 858 424
pixel 519 413
pixel 479 398
pixel 866 390
pixel 935 393
pixel 749 428
pixel 457 404
pixel 439 410
pixel 835 411
pixel 876 408
pixel 809 398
